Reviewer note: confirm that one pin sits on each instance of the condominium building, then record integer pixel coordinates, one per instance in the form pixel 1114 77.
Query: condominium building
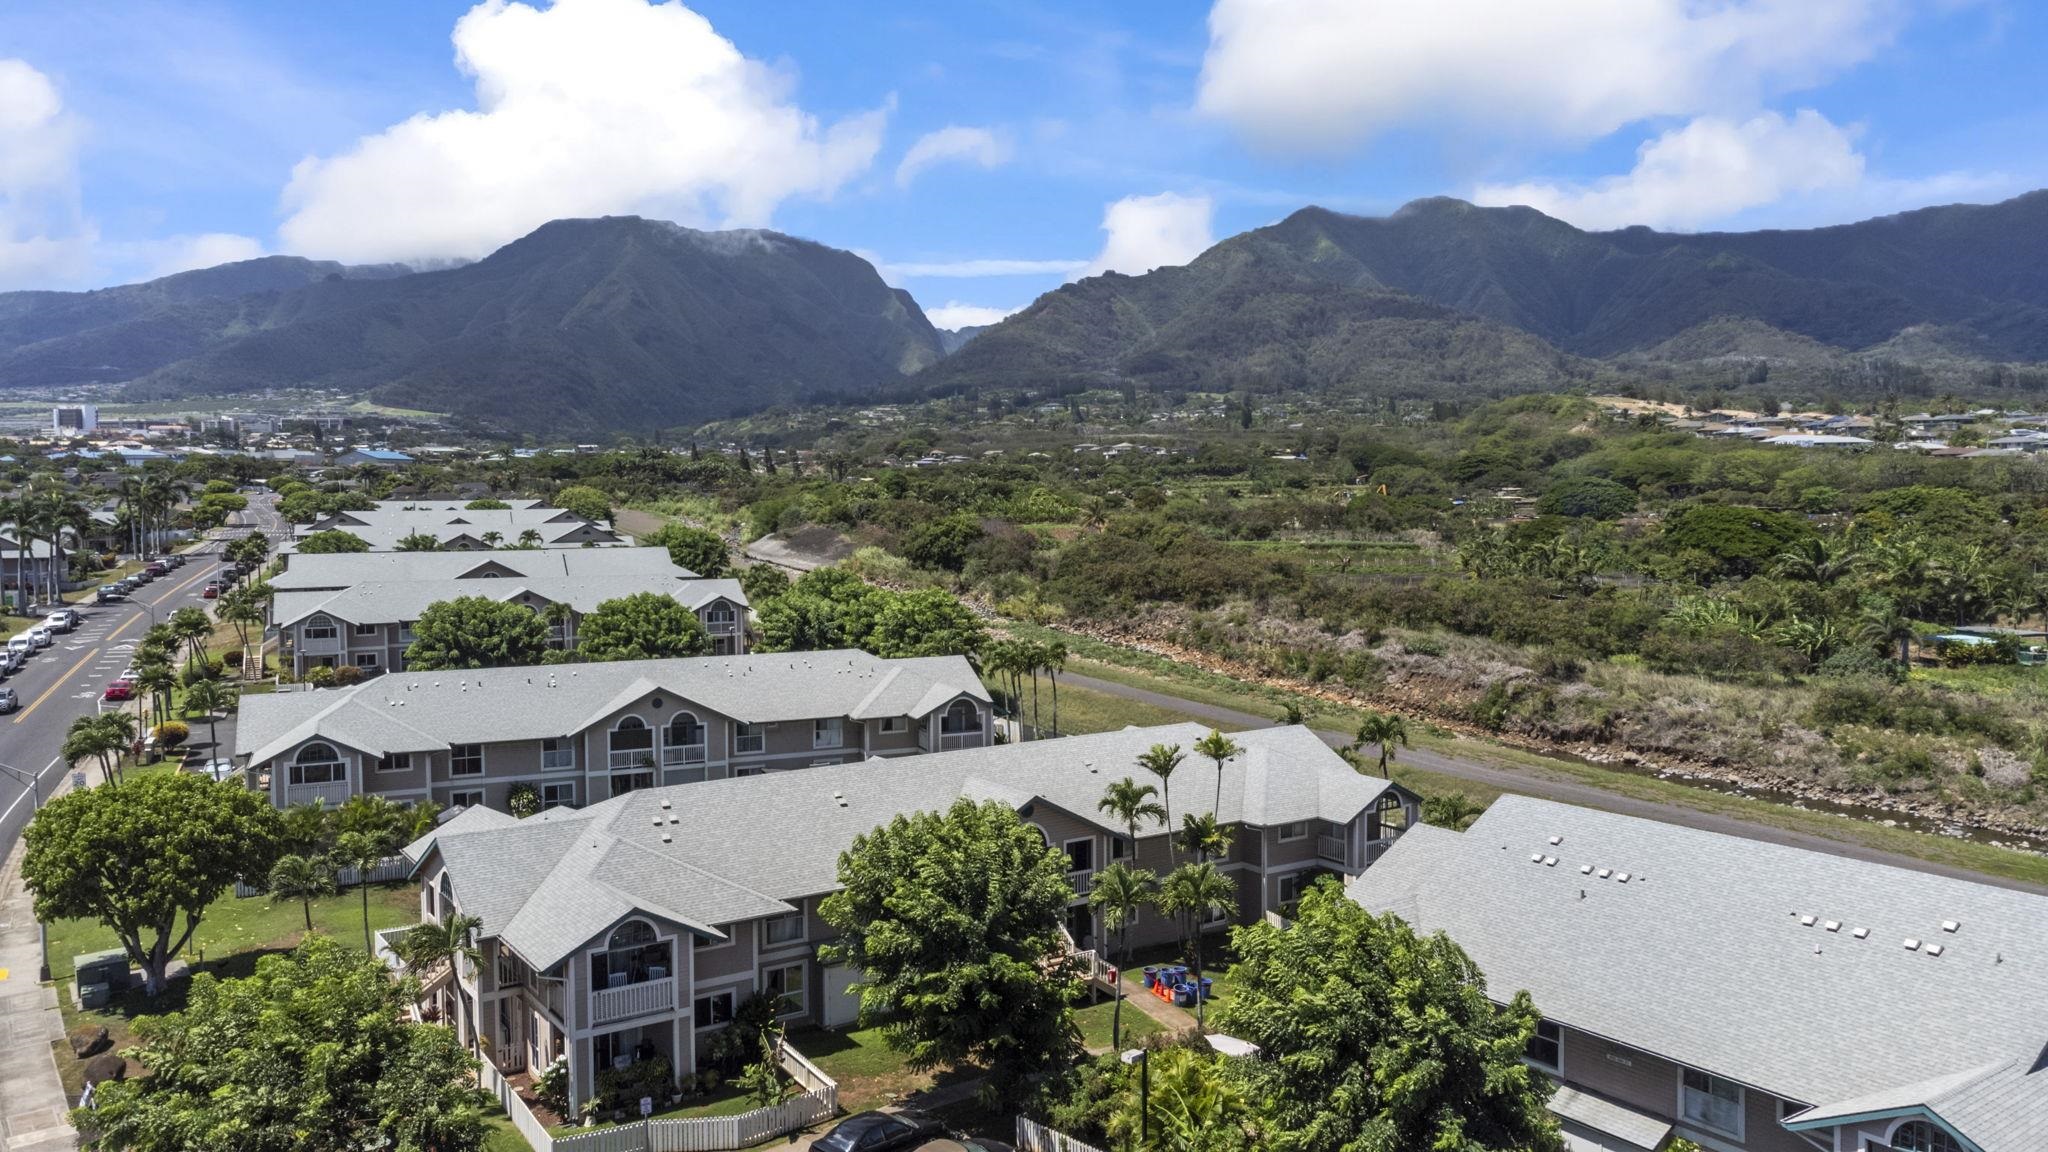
pixel 1739 994
pixel 457 528
pixel 580 733
pixel 633 928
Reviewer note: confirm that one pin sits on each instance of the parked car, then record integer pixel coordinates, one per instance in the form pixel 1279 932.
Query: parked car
pixel 41 637
pixel 143 577
pixel 212 591
pixel 9 702
pixel 62 620
pixel 109 593
pixel 118 690
pixel 175 559
pixel 157 568
pixel 21 648
pixel 881 1131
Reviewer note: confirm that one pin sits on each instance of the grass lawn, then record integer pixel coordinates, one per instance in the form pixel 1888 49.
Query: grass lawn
pixel 502 1136
pixel 1095 1021
pixel 870 1073
pixel 1084 710
pixel 1216 961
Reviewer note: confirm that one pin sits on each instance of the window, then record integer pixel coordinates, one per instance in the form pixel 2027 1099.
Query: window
pixel 713 1010
pixel 1393 815
pixel 829 732
pixel 1081 855
pixel 466 760
pixel 320 627
pixel 1297 830
pixel 718 617
pixel 396 762
pixel 364 659
pixel 786 988
pixel 624 782
pixel 748 738
pixel 472 798
pixel 683 742
pixel 1710 1102
pixel 783 929
pixel 367 629
pixel 318 763
pixel 631 744
pixel 1546 1047
pixel 446 889
pixel 1920 1136
pixel 632 956
pixel 557 752
pixel 561 795
pixel 894 725
pixel 405 631
pixel 1120 848
pixel 1294 884
pixel 962 716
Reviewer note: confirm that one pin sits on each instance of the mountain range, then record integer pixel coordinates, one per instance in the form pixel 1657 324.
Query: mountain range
pixel 623 323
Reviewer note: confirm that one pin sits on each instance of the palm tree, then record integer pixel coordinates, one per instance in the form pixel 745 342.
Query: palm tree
pixel 1384 729
pixel 452 939
pixel 1117 893
pixel 210 696
pixel 1882 625
pixel 1203 837
pixel 156 678
pixel 1191 1102
pixel 1053 657
pixel 359 851
pixel 1160 760
pixel 1816 560
pixel 530 538
pixel 1453 810
pixel 192 627
pixel 1291 713
pixel 1131 802
pixel 88 739
pixel 493 538
pixel 244 611
pixel 301 878
pixel 1195 892
pixel 1218 747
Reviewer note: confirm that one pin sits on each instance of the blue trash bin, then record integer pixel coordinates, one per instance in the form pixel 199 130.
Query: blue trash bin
pixel 1184 995
pixel 1151 977
pixel 1208 987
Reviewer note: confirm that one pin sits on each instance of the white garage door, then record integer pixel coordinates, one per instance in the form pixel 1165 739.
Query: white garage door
pixel 841 1006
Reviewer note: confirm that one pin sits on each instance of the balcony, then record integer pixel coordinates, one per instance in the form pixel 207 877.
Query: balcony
pixel 676 755
pixel 310 645
pixel 950 741
pixel 612 1004
pixel 1333 849
pixel 330 795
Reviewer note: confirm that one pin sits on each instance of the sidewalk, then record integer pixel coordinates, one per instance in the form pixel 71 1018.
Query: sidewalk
pixel 33 1108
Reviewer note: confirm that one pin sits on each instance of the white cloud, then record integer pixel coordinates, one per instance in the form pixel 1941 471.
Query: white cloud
pixel 1706 171
pixel 1320 75
pixel 583 108
pixel 953 314
pixel 184 253
pixel 1147 232
pixel 977 269
pixel 44 235
pixel 977 146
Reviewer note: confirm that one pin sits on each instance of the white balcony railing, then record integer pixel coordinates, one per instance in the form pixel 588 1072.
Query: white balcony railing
pixel 948 741
pixel 331 795
pixel 630 758
pixel 676 754
pixel 610 1004
pixel 1332 848
pixel 318 645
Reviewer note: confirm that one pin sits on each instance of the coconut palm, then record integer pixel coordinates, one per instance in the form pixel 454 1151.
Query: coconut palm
pixel 1818 560
pixel 192 626
pixel 362 853
pixel 453 939
pixel 1385 730
pixel 1203 837
pixel 530 538
pixel 1116 894
pixel 1131 803
pixel 209 697
pixel 88 739
pixel 1218 747
pixel 1194 893
pixel 493 538
pixel 1160 760
pixel 301 878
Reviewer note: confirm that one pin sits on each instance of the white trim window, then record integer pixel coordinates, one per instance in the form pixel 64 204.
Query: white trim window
pixel 1080 855
pixel 465 760
pixel 682 740
pixel 1293 884
pixel 1916 1135
pixel 559 794
pixel 557 753
pixel 1710 1102
pixel 368 629
pixel 828 732
pixel 630 744
pixel 319 627
pixel 367 661
pixel 712 1009
pixel 892 725
pixel 405 632
pixel 318 763
pixel 466 798
pixel 396 762
pixel 780 930
pixel 1293 830
pixel 1546 1047
pixel 786 987
pixel 748 739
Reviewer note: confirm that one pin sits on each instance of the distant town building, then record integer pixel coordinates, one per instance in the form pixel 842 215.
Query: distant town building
pixel 74 419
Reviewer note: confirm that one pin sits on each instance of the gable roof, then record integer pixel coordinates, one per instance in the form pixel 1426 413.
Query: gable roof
pixel 425 711
pixel 1706 955
pixel 335 570
pixel 392 601
pixel 719 851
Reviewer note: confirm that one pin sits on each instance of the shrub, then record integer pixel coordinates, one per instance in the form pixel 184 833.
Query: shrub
pixel 1861 662
pixel 231 659
pixel 347 674
pixel 623 1087
pixel 320 676
pixel 551 1087
pixel 523 800
pixel 170 733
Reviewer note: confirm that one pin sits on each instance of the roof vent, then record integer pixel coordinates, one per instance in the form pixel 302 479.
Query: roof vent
pixel 1912 943
pixel 657 821
pixel 1557 840
pixel 1934 949
pixel 664 804
pixel 1861 933
pixel 674 819
pixel 1949 926
pixel 1833 925
pixel 1606 872
pixel 1550 861
pixel 1621 876
pixel 667 839
pixel 1536 858
pixel 1585 869
pixel 1806 921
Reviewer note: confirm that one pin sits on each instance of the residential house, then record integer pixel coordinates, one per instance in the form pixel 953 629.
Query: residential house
pixel 633 928
pixel 374 458
pixel 1741 994
pixel 358 609
pixel 455 528
pixel 578 733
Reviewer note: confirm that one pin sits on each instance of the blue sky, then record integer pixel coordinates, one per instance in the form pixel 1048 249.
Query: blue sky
pixel 978 153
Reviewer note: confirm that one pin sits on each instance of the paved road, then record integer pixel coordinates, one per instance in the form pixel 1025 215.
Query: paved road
pixel 64 681
pixel 1530 782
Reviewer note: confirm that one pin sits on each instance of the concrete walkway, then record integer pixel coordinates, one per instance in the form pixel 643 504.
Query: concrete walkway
pixel 34 1113
pixel 1535 782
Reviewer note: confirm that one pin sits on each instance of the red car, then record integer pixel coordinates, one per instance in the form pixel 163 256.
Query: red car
pixel 119 690
pixel 210 592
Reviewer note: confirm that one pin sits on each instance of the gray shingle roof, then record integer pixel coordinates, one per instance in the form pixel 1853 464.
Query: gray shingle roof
pixel 740 847
pixel 1601 1115
pixel 344 569
pixel 420 711
pixel 392 601
pixel 1705 956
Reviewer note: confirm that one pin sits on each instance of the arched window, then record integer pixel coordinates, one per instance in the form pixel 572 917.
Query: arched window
pixel 1392 813
pixel 719 613
pixel 632 956
pixel 446 904
pixel 683 742
pixel 318 763
pixel 962 716
pixel 320 626
pixel 1920 1136
pixel 632 743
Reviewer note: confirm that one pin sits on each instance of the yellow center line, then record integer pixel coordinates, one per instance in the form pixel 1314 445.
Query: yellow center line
pixel 51 690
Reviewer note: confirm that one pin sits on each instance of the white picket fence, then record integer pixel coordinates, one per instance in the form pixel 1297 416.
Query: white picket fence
pixel 388 869
pixel 819 1102
pixel 1035 1137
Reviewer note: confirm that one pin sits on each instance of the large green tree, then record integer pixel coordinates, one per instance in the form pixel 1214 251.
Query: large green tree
pixel 643 626
pixel 475 632
pixel 148 858
pixel 1372 1037
pixel 590 503
pixel 332 540
pixel 954 923
pixel 700 550
pixel 927 622
pixel 312 1053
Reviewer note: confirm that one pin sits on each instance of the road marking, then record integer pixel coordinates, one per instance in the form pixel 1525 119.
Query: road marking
pixel 3 974
pixel 9 811
pixel 23 714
